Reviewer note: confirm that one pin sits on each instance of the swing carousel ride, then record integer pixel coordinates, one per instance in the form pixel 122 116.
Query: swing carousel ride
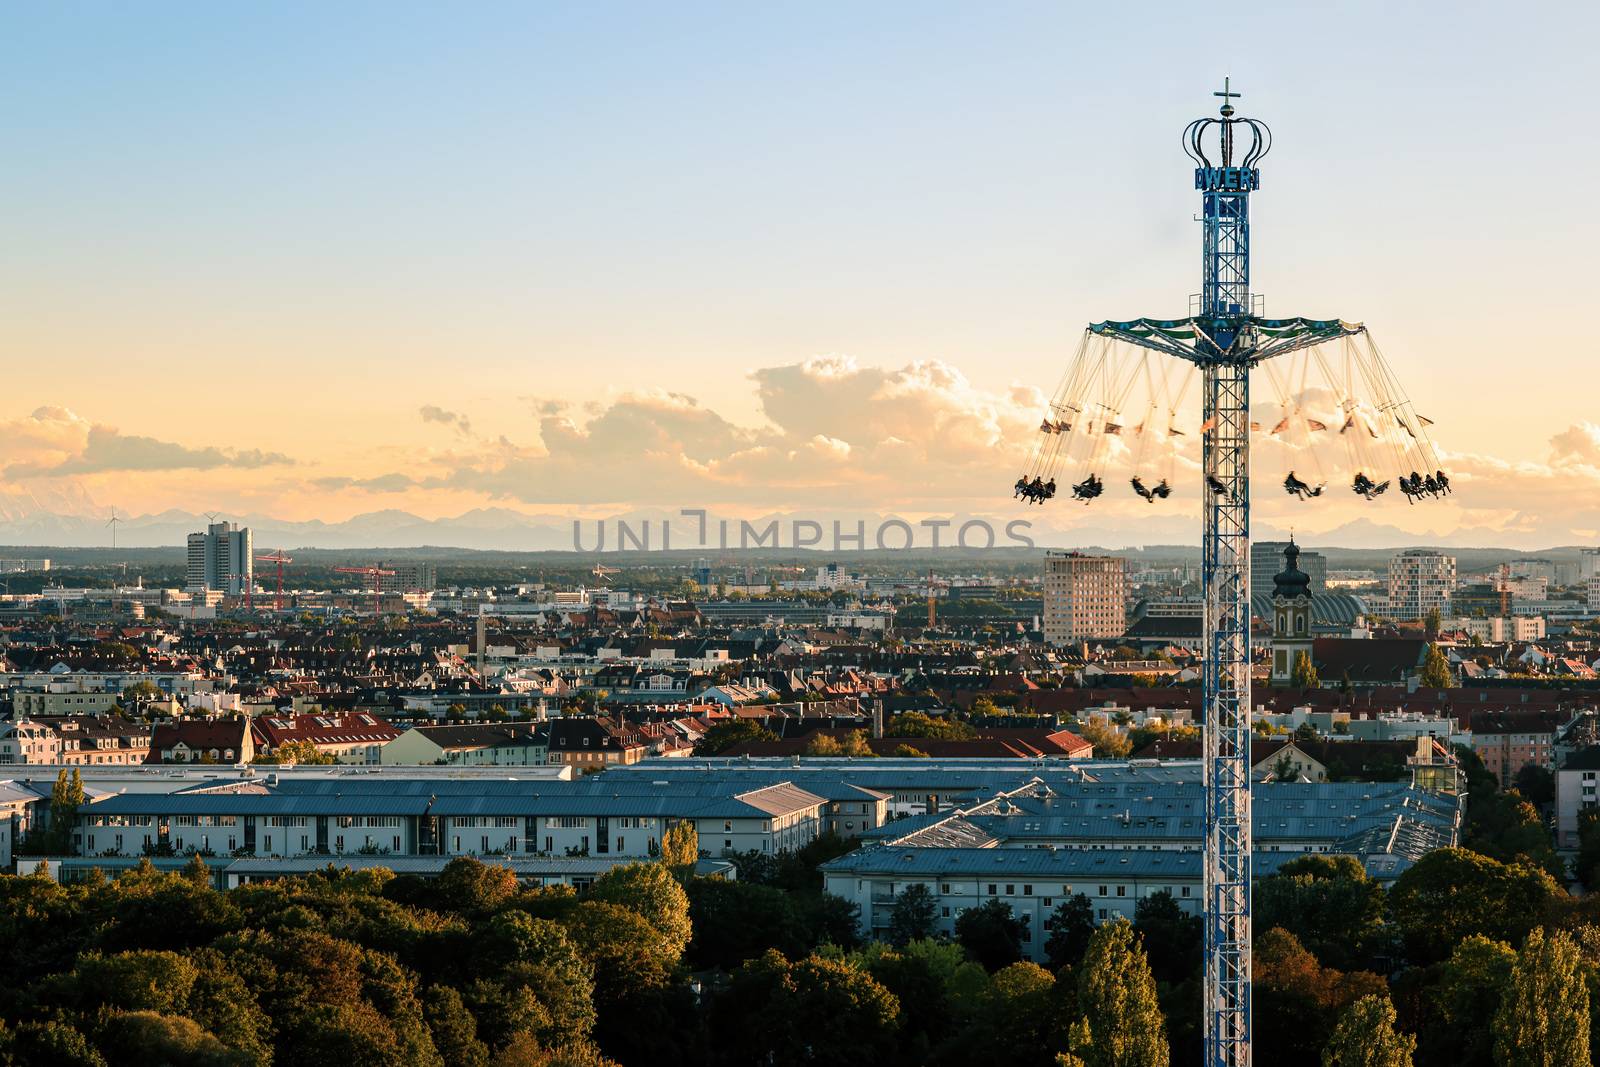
pixel 1337 414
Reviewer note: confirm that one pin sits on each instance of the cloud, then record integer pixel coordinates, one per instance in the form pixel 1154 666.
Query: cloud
pixel 55 442
pixel 460 423
pixel 835 433
pixel 1578 442
pixel 383 483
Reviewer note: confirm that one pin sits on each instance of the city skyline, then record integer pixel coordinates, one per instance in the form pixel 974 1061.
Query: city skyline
pixel 570 262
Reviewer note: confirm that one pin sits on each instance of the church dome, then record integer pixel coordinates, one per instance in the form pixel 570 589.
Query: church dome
pixel 1291 582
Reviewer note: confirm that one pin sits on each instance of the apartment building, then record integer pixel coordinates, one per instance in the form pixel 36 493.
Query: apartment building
pixel 1420 581
pixel 1085 597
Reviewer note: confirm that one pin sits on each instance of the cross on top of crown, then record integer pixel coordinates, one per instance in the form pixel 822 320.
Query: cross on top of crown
pixel 1228 96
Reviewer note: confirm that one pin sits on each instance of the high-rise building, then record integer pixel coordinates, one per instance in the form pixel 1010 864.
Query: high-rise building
pixel 1266 560
pixel 1420 581
pixel 1084 597
pixel 222 558
pixel 409 578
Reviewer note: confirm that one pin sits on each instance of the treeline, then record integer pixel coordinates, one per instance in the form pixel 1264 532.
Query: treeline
pixel 1469 959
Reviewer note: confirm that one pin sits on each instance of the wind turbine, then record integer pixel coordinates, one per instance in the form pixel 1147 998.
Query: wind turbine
pixel 112 522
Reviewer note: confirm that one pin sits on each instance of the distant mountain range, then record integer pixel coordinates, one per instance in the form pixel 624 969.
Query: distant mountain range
pixel 68 518
pixel 76 523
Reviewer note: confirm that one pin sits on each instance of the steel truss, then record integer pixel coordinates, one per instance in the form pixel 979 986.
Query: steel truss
pixel 1226 340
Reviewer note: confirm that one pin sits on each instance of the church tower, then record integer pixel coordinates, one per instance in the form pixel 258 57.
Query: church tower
pixel 1291 616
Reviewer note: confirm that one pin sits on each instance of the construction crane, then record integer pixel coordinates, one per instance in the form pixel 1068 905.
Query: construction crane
pixel 280 558
pixel 930 599
pixel 377 575
pixel 601 570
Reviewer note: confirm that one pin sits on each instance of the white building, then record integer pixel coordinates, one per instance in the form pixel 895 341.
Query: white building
pixel 1420 581
pixel 1496 630
pixel 221 558
pixel 1084 597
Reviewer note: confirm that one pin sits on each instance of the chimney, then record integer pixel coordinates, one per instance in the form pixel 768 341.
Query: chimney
pixel 877 720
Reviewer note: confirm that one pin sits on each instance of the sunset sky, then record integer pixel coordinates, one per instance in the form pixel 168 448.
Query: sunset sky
pixel 313 260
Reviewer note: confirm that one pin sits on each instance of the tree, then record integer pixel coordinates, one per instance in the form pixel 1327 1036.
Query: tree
pixel 629 955
pixel 1328 903
pixel 1543 1019
pixel 1436 673
pixel 1452 893
pixel 1296 1000
pixel 649 891
pixel 66 797
pixel 1305 732
pixel 918 724
pixel 1537 784
pixel 1071 927
pixel 725 735
pixel 455 1031
pixel 822 744
pixel 810 1011
pixel 1587 864
pixel 1365 1037
pixel 680 848
pixel 991 935
pixel 1117 1001
pixel 467 885
pixel 1304 675
pixel 297 751
pixel 1171 938
pixel 1509 829
pixel 907 752
pixel 1458 1010
pixel 735 920
pixel 913 916
pixel 1107 742
pixel 1431 623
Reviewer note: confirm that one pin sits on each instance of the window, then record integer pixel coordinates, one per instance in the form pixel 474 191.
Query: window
pixel 1122 890
pixel 1011 890
pixel 620 845
pixel 992 888
pixel 945 911
pixel 727 826
pixel 1102 893
pixel 944 887
pixel 1027 890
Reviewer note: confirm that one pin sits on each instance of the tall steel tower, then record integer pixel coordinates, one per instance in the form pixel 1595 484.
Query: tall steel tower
pixel 1225 337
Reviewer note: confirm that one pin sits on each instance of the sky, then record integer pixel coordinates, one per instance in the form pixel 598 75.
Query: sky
pixel 313 261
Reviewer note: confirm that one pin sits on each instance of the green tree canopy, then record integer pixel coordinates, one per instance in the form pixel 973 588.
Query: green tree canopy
pixel 1459 1007
pixel 1452 893
pixel 1543 1019
pixel 680 848
pixel 1071 927
pixel 811 1011
pixel 1328 903
pixel 1304 674
pixel 1436 672
pixel 991 934
pixel 725 735
pixel 649 891
pixel 913 916
pixel 919 724
pixel 1121 1018
pixel 1365 1036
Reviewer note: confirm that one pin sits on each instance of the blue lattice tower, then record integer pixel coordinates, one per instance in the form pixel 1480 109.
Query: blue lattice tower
pixel 1225 338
